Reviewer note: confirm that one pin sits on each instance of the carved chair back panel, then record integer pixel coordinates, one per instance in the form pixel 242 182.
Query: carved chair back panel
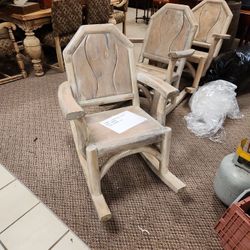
pixel 167 32
pixel 100 65
pixel 213 18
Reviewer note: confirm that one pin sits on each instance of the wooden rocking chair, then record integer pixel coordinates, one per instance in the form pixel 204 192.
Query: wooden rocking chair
pixel 214 18
pixel 168 41
pixel 100 70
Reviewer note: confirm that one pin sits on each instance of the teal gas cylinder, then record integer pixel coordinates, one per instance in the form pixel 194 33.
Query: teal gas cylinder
pixel 233 175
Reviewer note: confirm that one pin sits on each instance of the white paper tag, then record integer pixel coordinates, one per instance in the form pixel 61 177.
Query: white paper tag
pixel 123 121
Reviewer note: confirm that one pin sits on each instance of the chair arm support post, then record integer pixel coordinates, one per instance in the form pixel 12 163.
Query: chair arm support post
pixel 70 108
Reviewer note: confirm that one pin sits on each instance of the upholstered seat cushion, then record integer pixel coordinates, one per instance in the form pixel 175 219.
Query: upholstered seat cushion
pixel 6 47
pixel 49 40
pixel 119 16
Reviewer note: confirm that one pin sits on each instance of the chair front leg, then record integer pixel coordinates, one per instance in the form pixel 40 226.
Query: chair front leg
pixel 59 54
pixel 164 174
pixel 94 180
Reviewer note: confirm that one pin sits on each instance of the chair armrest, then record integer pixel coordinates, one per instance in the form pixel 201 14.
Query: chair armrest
pixel 221 36
pixel 7 25
pixel 136 40
pixel 164 88
pixel 70 108
pixel 119 5
pixel 181 54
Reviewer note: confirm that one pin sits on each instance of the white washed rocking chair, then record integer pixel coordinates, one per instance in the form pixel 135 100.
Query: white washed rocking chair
pixel 100 70
pixel 168 41
pixel 214 18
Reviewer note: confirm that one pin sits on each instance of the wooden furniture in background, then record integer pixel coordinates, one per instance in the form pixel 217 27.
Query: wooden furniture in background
pixel 244 25
pixel 45 4
pixel 26 223
pixel 100 70
pixel 168 41
pixel 119 13
pixel 66 18
pixel 29 23
pixel 145 5
pixel 214 18
pixel 9 47
pixel 229 44
pixel 98 11
pixel 157 4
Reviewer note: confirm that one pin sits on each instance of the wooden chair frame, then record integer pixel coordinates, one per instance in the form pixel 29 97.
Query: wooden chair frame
pixel 153 143
pixel 23 74
pixel 174 50
pixel 211 32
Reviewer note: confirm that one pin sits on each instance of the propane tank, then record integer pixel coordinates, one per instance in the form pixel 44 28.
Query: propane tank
pixel 233 175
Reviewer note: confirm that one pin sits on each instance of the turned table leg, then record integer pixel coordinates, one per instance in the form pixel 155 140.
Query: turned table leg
pixel 33 48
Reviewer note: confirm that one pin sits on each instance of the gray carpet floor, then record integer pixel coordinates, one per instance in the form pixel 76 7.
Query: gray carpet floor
pixel 37 146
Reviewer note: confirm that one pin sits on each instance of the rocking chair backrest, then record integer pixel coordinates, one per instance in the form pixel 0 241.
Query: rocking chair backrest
pixel 171 28
pixel 213 17
pixel 100 65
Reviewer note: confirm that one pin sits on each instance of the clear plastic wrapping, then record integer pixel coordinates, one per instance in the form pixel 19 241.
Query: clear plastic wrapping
pixel 210 105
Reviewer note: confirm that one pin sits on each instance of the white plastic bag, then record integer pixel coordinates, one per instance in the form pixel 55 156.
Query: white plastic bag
pixel 210 105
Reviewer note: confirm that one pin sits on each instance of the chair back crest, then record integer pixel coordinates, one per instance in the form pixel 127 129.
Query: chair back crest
pixel 213 17
pixel 99 64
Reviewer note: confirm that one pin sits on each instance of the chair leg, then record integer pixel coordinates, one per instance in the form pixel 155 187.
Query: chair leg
pixel 124 24
pixel 94 180
pixel 59 54
pixel 18 55
pixel 21 65
pixel 165 175
pixel 198 74
pixel 161 170
pixel 124 28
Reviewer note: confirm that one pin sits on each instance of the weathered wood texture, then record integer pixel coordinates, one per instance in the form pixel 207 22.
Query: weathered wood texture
pixel 100 69
pixel 168 40
pixel 99 59
pixel 214 18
